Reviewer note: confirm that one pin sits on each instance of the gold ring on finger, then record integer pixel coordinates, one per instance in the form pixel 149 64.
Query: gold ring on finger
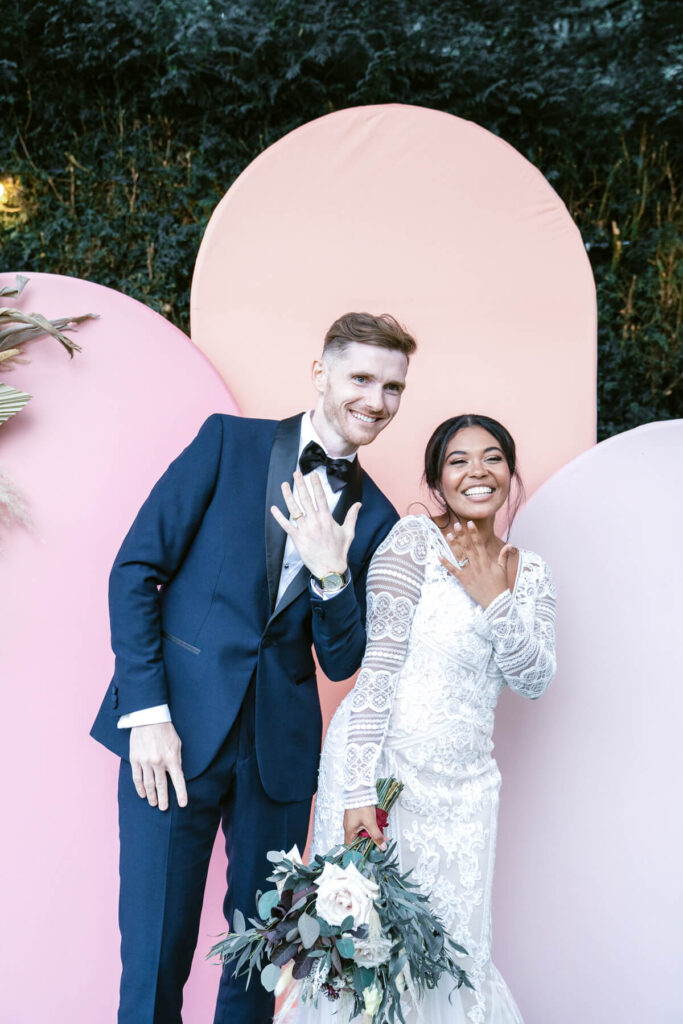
pixel 299 515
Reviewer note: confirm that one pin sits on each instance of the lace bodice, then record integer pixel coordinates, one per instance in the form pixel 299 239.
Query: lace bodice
pixel 436 662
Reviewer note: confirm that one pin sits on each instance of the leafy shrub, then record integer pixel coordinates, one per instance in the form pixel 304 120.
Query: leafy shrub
pixel 126 121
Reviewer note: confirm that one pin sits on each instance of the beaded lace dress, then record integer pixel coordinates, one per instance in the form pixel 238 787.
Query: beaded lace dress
pixel 422 709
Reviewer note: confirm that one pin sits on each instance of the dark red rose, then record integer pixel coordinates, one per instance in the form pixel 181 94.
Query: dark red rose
pixel 382 820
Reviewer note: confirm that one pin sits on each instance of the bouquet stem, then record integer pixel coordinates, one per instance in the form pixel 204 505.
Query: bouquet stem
pixel 388 792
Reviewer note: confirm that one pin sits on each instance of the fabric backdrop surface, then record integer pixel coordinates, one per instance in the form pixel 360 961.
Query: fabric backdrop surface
pixel 85 452
pixel 417 213
pixel 392 209
pixel 588 896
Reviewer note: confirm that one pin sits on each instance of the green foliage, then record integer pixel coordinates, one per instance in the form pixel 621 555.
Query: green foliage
pixel 126 121
pixel 322 956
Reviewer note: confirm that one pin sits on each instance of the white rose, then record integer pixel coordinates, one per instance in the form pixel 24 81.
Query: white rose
pixel 292 855
pixel 344 892
pixel 376 948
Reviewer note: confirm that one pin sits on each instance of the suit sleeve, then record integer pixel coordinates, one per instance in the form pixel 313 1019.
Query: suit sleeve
pixel 150 556
pixel 339 622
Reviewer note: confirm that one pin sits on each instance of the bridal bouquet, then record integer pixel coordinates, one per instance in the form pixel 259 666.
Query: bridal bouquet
pixel 348 926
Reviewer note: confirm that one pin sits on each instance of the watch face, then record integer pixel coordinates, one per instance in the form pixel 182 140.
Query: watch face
pixel 333 581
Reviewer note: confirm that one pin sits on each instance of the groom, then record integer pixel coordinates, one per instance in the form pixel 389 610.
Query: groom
pixel 212 631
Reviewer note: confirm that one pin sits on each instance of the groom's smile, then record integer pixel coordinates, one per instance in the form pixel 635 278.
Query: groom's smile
pixel 360 392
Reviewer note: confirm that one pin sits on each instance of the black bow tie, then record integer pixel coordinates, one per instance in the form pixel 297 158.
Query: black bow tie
pixel 338 470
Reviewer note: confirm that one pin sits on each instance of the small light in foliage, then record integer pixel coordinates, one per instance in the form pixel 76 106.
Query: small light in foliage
pixel 10 195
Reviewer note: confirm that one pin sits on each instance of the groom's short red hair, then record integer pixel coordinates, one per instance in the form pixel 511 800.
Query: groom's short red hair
pixel 383 330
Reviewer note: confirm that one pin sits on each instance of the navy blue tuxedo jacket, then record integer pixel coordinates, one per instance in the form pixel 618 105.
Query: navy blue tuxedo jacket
pixel 192 595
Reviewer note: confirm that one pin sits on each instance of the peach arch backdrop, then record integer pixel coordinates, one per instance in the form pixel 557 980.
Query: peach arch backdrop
pixel 415 212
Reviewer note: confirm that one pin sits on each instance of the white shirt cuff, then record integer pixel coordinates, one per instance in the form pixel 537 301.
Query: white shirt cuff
pixel 146 716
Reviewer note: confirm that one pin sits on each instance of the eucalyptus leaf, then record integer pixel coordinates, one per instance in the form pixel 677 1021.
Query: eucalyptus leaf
pixel 270 975
pixel 309 929
pixel 345 947
pixel 285 954
pixel 267 902
pixel 238 923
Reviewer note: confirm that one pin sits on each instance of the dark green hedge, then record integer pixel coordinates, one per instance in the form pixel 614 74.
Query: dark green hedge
pixel 126 120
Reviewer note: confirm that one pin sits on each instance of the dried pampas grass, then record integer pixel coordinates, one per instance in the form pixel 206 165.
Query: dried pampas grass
pixel 14 510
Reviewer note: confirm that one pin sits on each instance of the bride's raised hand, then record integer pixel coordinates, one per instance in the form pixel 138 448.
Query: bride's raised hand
pixel 358 818
pixel 483 577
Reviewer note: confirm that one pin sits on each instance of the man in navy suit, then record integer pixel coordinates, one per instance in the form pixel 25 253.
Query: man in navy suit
pixel 223 584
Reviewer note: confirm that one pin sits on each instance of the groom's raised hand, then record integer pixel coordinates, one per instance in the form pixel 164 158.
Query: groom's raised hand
pixel 322 543
pixel 154 752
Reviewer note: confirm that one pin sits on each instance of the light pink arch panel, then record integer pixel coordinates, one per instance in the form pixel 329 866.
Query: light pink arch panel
pixel 421 214
pixel 588 896
pixel 85 452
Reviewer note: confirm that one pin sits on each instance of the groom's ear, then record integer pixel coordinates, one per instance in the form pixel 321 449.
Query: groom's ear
pixel 319 372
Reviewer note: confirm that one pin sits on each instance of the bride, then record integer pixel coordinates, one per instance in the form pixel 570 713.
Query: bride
pixel 454 615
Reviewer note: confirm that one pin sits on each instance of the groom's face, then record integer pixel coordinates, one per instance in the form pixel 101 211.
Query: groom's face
pixel 360 391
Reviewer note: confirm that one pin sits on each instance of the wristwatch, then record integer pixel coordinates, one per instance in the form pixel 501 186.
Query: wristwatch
pixel 331 582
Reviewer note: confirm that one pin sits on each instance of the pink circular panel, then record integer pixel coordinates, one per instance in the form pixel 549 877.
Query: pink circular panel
pixel 85 452
pixel 588 896
pixel 418 213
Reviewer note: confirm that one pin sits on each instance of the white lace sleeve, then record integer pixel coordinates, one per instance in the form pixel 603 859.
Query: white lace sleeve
pixel 395 578
pixel 522 629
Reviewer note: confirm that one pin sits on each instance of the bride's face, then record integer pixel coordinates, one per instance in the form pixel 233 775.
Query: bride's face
pixel 475 480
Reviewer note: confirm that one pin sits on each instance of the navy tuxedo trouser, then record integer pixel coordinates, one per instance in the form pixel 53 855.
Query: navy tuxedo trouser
pixel 164 861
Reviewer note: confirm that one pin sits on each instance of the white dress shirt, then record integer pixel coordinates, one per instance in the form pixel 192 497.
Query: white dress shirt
pixel 291 564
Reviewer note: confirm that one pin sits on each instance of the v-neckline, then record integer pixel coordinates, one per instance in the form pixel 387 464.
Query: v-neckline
pixel 445 544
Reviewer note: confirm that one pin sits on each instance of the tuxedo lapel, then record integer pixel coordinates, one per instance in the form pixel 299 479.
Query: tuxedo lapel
pixel 350 493
pixel 283 458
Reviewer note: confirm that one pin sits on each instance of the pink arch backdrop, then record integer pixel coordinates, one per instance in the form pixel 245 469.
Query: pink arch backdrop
pixel 85 451
pixel 588 896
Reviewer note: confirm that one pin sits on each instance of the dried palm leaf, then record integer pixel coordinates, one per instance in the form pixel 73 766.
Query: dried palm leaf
pixel 12 401
pixel 9 356
pixel 17 289
pixel 16 327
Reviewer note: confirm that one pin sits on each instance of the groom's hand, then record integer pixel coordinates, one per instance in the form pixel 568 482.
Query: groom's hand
pixel 322 543
pixel 358 818
pixel 154 752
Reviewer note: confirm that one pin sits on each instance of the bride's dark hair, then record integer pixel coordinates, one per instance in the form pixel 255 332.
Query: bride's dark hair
pixel 435 456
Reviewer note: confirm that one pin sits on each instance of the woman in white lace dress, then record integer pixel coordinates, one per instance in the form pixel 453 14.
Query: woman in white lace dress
pixel 454 616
